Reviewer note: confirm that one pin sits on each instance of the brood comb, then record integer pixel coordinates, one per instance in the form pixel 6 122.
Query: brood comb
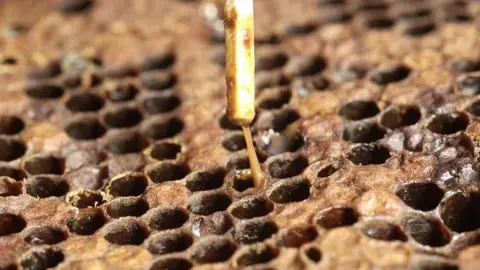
pixel 116 152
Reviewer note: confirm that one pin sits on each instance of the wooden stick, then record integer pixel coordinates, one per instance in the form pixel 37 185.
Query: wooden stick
pixel 240 74
pixel 240 61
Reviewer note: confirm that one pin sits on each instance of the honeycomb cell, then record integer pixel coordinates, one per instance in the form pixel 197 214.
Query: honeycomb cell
pixel 304 65
pixel 84 198
pixel 86 221
pixel 10 125
pixel 124 207
pixel 11 223
pixel 458 211
pixel 157 104
pixel 171 263
pixel 122 92
pixel 287 166
pixel 12 172
pixel 269 61
pixel 75 6
pixel 9 187
pixel 364 132
pixel 241 180
pixel 157 80
pixel 382 230
pixel 84 102
pixel 158 61
pixel 124 232
pixel 167 171
pixel 335 217
pixel 127 184
pixel 212 249
pixel 448 123
pixel 207 203
pixel 11 149
pixel 85 128
pixel 251 207
pixel 45 236
pixel 425 231
pixel 367 154
pixel 457 17
pixel 238 161
pixel 300 29
pixel 217 223
pixel 122 117
pixel 414 194
pixel 358 110
pixel 163 128
pixel 378 23
pixel 277 120
pixel 234 141
pixel 328 170
pixel 413 13
pixel 169 242
pixel 269 79
pixel 468 85
pixel 313 253
pixel 254 230
pixel 43 186
pixel 274 99
pixel 41 258
pixel 257 254
pixel 272 144
pixel 392 74
pixel 165 218
pixel 295 237
pixel 418 28
pixel 125 143
pixel 326 3
pixel 367 6
pixel 398 117
pixel 44 164
pixel 204 180
pixel 288 191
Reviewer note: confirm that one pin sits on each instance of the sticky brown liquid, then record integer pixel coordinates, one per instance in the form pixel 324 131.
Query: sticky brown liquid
pixel 255 169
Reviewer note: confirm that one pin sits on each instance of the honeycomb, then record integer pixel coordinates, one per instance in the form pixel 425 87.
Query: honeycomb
pixel 116 152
